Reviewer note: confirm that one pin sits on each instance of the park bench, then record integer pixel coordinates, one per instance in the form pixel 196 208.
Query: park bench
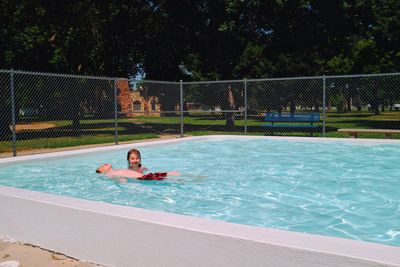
pixel 354 132
pixel 291 117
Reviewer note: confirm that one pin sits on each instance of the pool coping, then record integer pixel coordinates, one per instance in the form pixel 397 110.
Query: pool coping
pixel 178 239
pixel 73 152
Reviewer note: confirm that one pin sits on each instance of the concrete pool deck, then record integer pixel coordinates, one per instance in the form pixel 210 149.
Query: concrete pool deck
pixel 124 236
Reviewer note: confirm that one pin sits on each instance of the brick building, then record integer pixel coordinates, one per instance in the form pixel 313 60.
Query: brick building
pixel 137 102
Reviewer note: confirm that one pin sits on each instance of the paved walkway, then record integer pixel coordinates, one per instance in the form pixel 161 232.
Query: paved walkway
pixel 31 256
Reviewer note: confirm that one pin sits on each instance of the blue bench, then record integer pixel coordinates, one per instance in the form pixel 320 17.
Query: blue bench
pixel 291 117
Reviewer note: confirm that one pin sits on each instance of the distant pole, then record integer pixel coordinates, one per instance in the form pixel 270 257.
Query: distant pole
pixel 116 111
pixel 323 105
pixel 245 106
pixel 13 126
pixel 181 104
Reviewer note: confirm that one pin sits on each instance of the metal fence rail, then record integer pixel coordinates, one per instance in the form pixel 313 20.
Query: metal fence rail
pixel 43 112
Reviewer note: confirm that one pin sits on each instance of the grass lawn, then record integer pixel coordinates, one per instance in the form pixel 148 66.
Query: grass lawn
pixel 61 133
pixel 62 142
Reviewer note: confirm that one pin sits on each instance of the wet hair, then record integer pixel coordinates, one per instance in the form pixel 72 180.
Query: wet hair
pixel 98 171
pixel 137 153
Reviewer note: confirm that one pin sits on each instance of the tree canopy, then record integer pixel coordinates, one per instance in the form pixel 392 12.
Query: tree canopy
pixel 201 39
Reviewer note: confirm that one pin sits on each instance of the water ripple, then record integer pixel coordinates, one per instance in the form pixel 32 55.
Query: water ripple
pixel 330 188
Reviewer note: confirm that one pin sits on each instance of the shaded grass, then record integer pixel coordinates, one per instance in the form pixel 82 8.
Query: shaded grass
pixel 102 131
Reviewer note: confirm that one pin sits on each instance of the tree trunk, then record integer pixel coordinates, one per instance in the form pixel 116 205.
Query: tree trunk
pixel 230 116
pixel 349 104
pixel 292 106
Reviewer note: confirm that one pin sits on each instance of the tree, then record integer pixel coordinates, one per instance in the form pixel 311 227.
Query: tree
pixel 73 37
pixel 213 40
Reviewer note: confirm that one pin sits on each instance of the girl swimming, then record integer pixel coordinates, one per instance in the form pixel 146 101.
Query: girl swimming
pixel 135 161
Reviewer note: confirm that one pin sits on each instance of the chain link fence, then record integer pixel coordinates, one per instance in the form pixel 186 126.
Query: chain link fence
pixel 48 112
pixel 43 112
pixel 214 107
pixel 363 102
pixel 152 106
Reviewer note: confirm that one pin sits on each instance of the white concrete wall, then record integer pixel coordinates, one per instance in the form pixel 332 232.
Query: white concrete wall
pixel 121 236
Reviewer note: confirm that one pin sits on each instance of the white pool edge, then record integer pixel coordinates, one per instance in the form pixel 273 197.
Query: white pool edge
pixel 71 153
pixel 115 235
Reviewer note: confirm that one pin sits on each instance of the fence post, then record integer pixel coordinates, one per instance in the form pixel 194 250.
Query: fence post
pixel 323 105
pixel 245 106
pixel 13 126
pixel 181 104
pixel 116 111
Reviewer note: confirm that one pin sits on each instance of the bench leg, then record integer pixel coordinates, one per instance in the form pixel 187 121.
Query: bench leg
pixel 388 135
pixel 353 135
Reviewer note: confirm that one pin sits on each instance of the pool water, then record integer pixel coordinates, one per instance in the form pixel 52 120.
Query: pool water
pixel 332 188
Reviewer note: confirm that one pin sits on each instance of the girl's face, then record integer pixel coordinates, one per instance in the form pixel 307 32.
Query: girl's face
pixel 134 160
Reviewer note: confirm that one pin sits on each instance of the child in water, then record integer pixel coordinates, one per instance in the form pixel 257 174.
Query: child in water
pixel 135 164
pixel 135 161
pixel 123 174
pixel 135 169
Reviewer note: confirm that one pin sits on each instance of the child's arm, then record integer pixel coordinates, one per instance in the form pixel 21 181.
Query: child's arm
pixel 125 173
pixel 173 173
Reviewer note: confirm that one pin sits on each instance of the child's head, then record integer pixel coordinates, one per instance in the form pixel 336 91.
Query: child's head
pixel 134 159
pixel 104 168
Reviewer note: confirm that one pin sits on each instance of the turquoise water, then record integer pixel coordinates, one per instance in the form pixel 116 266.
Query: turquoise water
pixel 341 189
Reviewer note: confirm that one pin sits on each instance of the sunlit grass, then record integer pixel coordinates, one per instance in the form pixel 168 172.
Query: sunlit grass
pixel 102 131
pixel 60 142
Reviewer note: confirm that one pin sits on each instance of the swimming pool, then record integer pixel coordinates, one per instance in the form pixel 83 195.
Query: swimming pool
pixel 333 188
